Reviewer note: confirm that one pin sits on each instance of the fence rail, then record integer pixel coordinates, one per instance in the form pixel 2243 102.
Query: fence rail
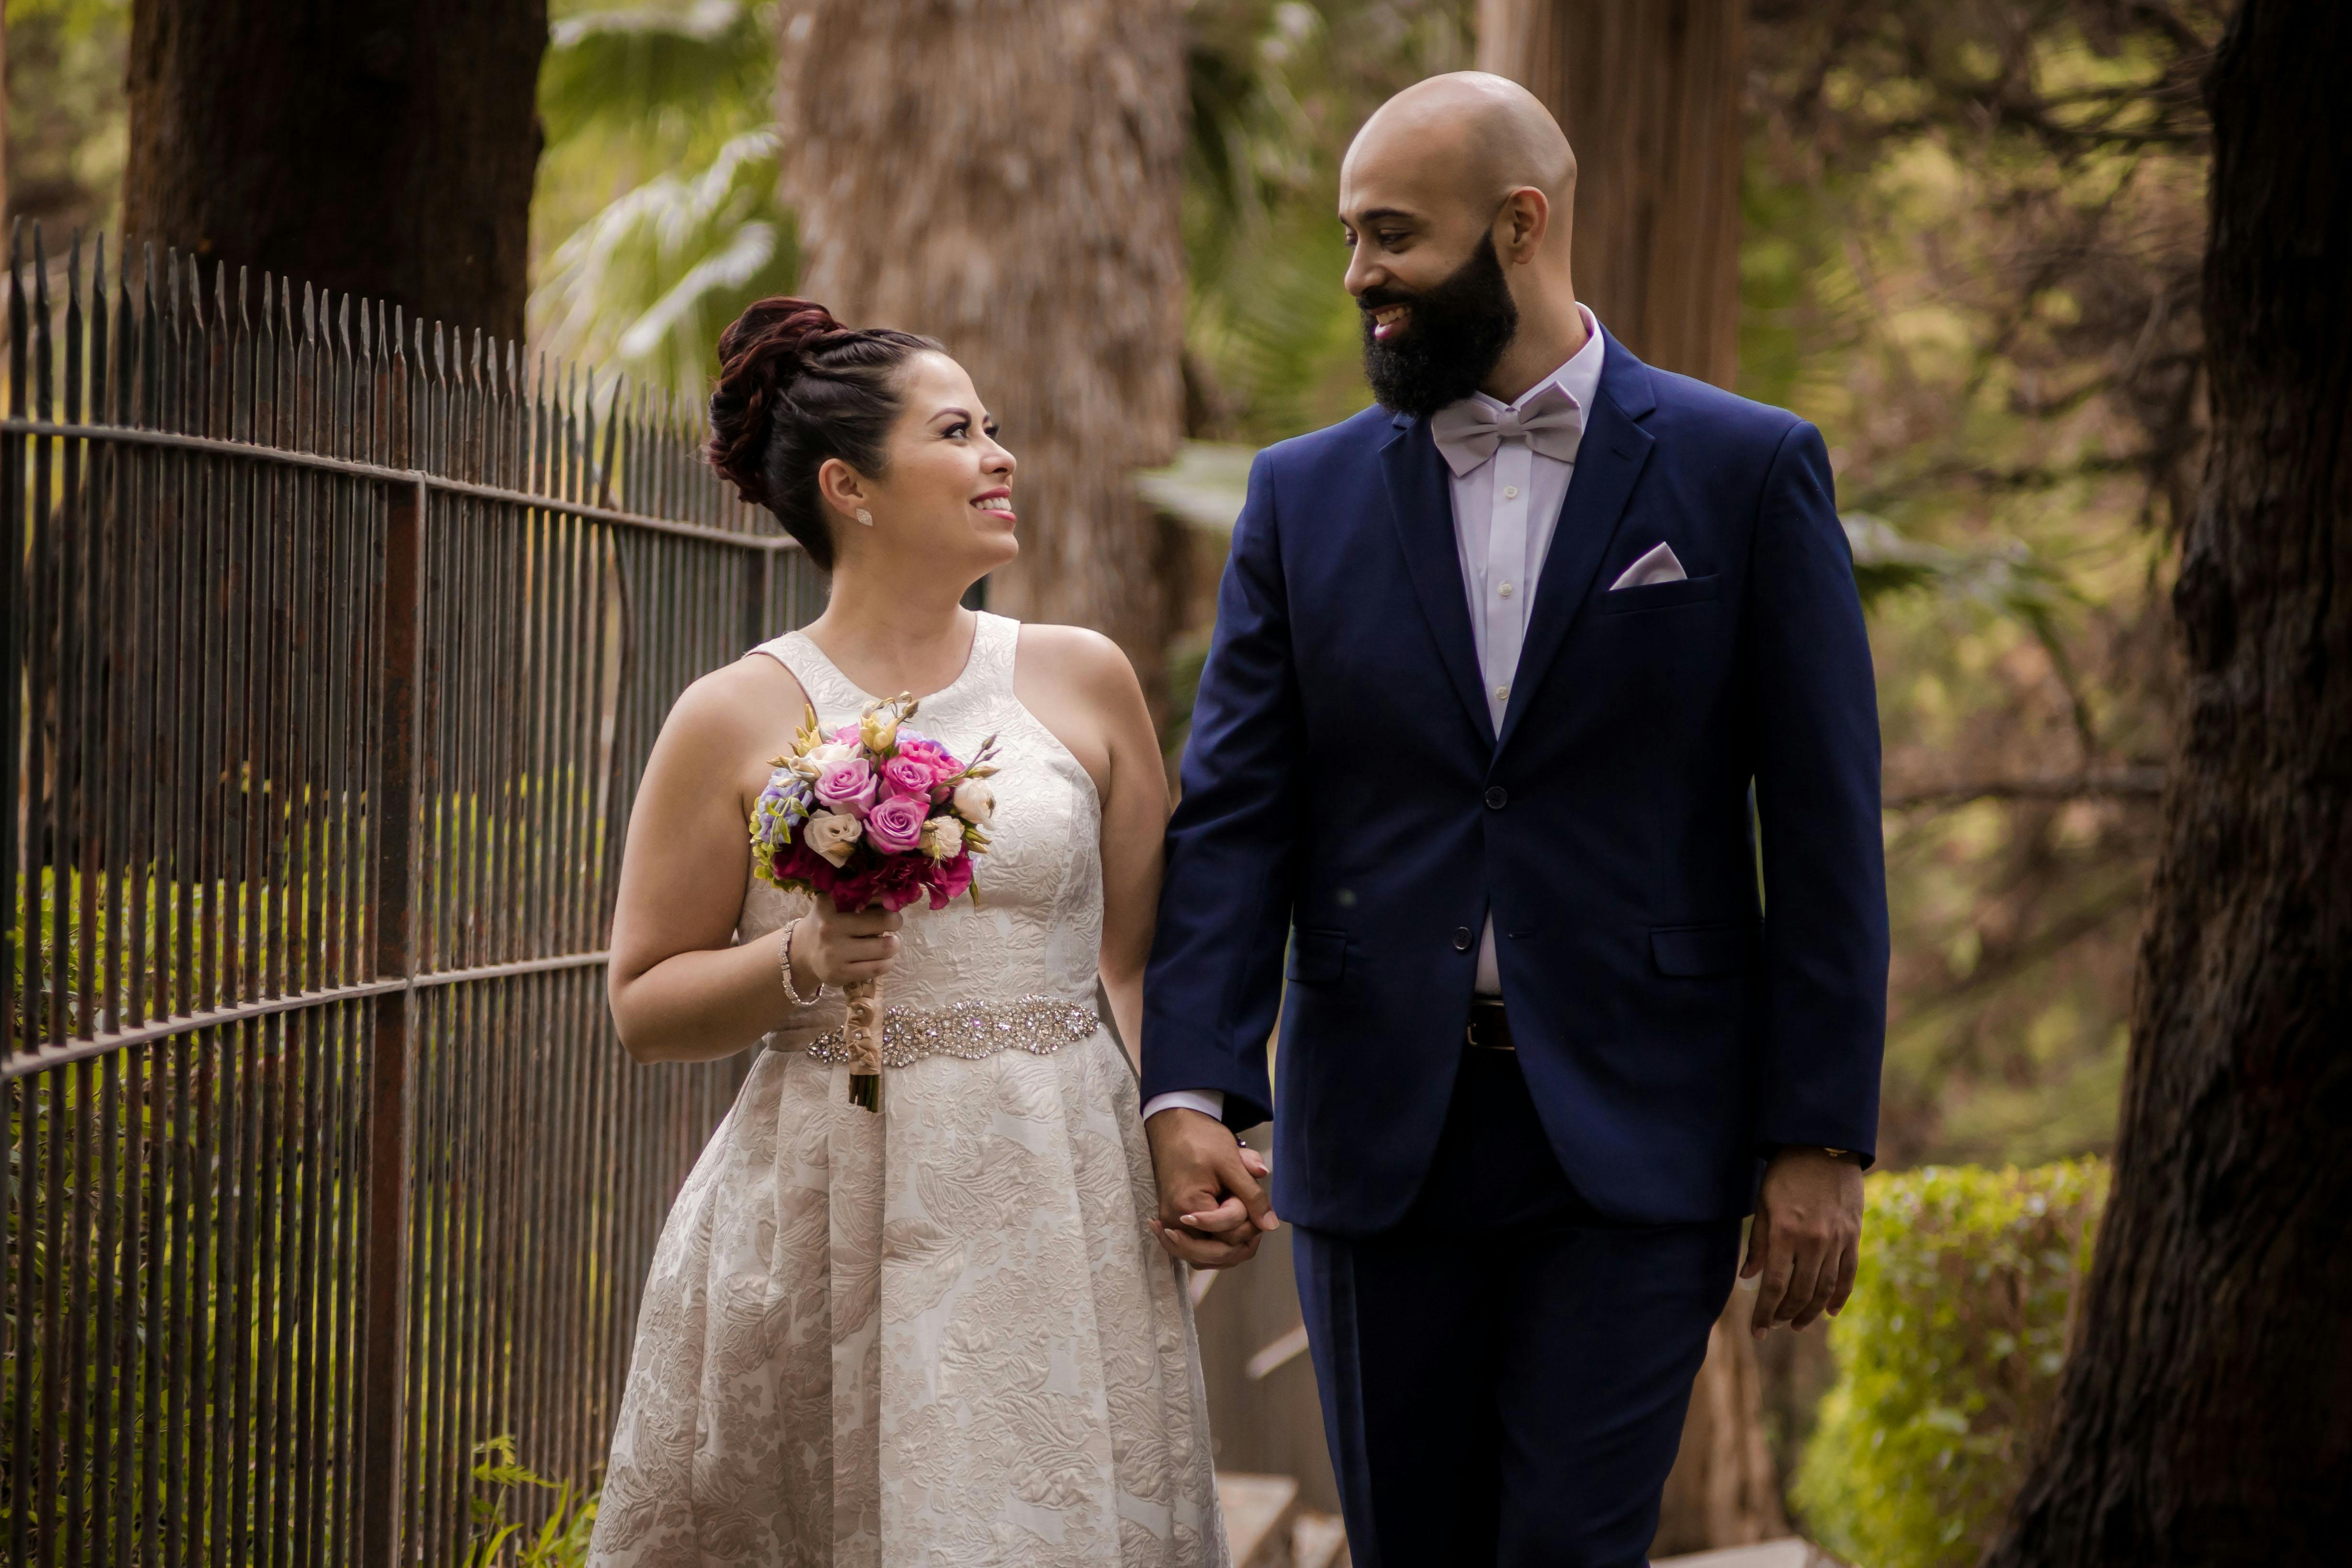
pixel 335 643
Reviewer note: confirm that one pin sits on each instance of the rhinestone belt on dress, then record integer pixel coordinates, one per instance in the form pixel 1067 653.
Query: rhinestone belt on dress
pixel 971 1031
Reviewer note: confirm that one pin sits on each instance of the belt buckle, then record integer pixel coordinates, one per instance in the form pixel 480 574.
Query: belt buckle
pixel 1470 1033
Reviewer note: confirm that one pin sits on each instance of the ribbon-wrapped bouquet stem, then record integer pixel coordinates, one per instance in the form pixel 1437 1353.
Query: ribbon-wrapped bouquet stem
pixel 873 816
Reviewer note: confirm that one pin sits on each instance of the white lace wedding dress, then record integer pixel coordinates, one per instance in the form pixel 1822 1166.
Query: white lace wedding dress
pixel 942 1335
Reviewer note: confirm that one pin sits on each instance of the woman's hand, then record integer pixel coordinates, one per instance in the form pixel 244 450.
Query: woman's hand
pixel 835 949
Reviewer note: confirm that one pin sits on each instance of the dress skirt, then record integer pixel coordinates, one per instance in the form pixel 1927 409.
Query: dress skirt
pixel 942 1335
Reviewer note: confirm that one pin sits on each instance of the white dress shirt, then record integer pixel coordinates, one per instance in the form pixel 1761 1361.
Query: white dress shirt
pixel 1505 510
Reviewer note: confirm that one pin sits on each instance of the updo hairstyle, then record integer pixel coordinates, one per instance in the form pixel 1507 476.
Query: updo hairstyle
pixel 795 387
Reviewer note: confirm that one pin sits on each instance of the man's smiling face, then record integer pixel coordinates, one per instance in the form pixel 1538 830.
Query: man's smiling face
pixel 1409 221
pixel 1437 309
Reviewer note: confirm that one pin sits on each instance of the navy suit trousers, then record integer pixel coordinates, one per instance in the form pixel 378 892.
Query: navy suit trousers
pixel 1505 1373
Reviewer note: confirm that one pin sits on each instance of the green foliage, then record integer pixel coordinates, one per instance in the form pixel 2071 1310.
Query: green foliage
pixel 561 1539
pixel 1949 1355
pixel 657 216
pixel 67 133
pixel 1278 90
pixel 1971 237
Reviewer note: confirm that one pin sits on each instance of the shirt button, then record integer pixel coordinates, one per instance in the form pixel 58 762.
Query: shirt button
pixel 1504 590
pixel 1510 493
pixel 1461 939
pixel 1498 797
pixel 1502 694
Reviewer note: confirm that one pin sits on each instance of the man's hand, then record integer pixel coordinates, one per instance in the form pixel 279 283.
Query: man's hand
pixel 1213 1207
pixel 1805 1239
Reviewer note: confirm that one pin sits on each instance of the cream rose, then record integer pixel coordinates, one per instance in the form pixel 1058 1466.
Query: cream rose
pixel 975 802
pixel 832 834
pixel 942 837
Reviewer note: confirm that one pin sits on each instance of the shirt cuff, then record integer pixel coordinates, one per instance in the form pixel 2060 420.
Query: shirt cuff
pixel 1207 1101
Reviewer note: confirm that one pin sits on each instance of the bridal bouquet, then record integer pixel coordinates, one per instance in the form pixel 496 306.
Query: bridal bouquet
pixel 873 815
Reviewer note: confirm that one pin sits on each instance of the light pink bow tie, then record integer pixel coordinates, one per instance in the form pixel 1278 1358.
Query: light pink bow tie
pixel 1468 432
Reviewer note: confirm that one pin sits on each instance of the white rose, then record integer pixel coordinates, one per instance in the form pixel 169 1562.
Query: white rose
pixel 831 751
pixel 942 837
pixel 833 834
pixel 975 802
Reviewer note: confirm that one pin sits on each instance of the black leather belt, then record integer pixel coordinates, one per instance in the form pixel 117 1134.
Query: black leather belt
pixel 1490 1027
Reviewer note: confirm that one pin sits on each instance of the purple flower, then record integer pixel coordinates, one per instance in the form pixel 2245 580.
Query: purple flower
pixel 847 785
pixel 894 826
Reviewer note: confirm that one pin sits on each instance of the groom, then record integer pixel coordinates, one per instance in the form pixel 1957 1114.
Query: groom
pixel 1496 666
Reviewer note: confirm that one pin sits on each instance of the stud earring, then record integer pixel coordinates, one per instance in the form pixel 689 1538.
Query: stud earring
pixel 864 517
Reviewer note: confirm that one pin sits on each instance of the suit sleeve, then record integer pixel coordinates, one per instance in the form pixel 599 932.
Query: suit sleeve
pixel 1215 976
pixel 1825 929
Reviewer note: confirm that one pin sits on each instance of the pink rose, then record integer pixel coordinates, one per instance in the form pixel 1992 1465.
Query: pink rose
pixel 894 826
pixel 903 775
pixel 938 758
pixel 846 736
pixel 846 785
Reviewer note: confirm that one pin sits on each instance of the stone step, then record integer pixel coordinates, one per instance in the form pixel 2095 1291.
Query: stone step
pixel 1786 1553
pixel 1267 1529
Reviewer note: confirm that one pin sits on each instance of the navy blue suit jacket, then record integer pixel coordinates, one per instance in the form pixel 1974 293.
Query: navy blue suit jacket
pixel 1348 802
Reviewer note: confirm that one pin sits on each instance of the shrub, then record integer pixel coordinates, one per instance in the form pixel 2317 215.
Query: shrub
pixel 561 1541
pixel 1948 1359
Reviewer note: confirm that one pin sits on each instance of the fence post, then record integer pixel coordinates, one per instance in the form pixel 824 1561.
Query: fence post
pixel 383 1368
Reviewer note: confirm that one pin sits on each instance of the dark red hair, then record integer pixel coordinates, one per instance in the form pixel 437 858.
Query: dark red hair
pixel 795 387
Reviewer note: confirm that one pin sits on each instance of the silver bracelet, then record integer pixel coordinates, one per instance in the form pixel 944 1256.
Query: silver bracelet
pixel 786 963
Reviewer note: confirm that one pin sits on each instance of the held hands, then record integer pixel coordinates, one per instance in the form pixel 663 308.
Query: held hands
pixel 1805 1239
pixel 836 949
pixel 1213 1207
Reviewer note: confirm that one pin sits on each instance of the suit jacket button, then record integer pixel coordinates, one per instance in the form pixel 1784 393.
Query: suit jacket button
pixel 1498 797
pixel 1461 939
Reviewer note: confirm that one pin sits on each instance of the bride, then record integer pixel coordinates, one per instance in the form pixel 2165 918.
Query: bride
pixel 943 1334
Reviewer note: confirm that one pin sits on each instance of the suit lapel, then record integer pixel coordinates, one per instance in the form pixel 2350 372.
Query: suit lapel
pixel 1420 504
pixel 1608 461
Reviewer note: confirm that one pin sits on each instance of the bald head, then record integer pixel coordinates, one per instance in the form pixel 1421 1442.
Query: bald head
pixel 1456 198
pixel 1485 134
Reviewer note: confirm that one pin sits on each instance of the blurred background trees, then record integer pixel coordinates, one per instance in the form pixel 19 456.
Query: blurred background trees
pixel 1005 177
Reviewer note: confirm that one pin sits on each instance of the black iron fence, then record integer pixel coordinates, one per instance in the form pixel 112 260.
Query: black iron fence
pixel 334 645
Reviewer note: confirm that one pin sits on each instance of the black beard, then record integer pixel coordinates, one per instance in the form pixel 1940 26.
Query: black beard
pixel 1453 339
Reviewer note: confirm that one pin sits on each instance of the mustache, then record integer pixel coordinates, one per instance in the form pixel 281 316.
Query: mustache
pixel 1384 296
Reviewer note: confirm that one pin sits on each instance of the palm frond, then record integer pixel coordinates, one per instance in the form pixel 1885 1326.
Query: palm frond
pixel 606 68
pixel 650 279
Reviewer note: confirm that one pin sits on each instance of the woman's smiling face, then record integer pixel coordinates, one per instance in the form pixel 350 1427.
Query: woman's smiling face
pixel 947 491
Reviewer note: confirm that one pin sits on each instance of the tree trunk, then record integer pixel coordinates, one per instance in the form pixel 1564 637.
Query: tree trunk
pixel 1004 176
pixel 1649 92
pixel 2206 1415
pixel 385 147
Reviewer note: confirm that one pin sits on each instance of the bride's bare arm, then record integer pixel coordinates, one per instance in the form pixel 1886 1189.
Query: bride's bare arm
pixel 681 987
pixel 1081 686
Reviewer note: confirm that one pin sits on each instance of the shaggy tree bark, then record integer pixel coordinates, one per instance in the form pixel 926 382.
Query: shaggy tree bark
pixel 1649 92
pixel 2207 1413
pixel 385 147
pixel 1004 176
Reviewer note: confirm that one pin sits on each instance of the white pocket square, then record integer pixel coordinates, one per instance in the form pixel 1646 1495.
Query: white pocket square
pixel 1658 565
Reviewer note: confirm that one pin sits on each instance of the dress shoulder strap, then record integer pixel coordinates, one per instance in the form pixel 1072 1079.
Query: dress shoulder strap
pixel 993 644
pixel 833 695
